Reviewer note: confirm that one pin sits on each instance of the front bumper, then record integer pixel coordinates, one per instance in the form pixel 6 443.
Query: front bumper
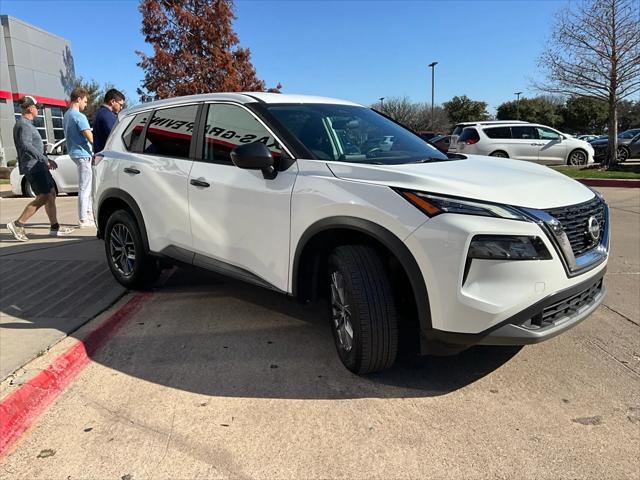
pixel 499 302
pixel 542 321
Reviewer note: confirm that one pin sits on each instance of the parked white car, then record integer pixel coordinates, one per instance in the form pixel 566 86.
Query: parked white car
pixel 301 195
pixel 529 141
pixel 65 176
pixel 457 130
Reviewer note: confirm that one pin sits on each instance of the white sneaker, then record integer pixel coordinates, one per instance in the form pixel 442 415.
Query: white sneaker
pixel 61 232
pixel 17 232
pixel 87 224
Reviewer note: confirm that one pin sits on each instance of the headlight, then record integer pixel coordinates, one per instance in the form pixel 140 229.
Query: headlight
pixel 503 247
pixel 434 205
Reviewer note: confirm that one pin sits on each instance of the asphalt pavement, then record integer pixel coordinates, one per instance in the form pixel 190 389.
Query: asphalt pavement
pixel 217 379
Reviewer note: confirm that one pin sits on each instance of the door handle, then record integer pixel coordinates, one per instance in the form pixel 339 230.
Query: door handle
pixel 133 171
pixel 199 183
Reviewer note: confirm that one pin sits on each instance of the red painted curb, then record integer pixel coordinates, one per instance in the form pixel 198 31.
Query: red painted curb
pixel 609 182
pixel 22 408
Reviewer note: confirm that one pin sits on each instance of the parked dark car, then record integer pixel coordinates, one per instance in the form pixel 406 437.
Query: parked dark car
pixel 628 146
pixel 441 142
pixel 428 135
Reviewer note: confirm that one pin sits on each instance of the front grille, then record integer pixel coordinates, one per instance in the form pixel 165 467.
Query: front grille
pixel 575 222
pixel 566 307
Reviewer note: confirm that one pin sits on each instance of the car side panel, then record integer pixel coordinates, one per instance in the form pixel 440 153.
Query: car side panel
pixel 552 152
pixel 318 194
pixel 160 189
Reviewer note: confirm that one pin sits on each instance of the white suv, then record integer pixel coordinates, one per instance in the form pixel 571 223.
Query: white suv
pixel 524 141
pixel 305 196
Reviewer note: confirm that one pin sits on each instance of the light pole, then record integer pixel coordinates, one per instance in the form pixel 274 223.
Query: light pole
pixel 517 94
pixel 381 104
pixel 432 65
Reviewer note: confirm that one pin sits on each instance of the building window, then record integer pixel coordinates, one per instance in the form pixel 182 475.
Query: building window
pixel 57 114
pixel 38 122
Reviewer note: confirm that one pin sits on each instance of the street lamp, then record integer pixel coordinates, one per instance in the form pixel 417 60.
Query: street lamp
pixel 432 65
pixel 517 94
pixel 381 103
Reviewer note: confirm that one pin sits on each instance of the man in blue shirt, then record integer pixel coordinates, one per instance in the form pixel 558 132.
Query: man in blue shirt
pixel 105 118
pixel 79 139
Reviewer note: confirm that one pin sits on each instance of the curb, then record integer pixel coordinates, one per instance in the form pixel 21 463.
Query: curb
pixel 609 182
pixel 20 409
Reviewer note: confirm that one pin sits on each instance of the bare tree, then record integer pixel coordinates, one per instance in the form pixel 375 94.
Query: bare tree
pixel 595 52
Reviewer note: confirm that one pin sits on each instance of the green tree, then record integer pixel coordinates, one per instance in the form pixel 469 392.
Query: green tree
pixel 585 115
pixel 95 94
pixel 463 109
pixel 628 115
pixel 536 110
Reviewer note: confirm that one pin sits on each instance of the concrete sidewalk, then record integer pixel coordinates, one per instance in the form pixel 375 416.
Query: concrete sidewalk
pixel 49 287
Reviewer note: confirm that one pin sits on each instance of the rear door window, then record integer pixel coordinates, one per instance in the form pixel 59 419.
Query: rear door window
pixel 132 134
pixel 170 131
pixel 498 132
pixel 524 133
pixel 469 136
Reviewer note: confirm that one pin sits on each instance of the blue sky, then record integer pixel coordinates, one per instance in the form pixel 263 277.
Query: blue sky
pixel 357 50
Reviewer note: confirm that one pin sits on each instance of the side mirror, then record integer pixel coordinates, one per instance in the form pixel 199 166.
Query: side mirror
pixel 254 156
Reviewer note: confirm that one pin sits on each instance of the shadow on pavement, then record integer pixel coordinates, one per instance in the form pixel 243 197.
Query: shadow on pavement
pixel 208 335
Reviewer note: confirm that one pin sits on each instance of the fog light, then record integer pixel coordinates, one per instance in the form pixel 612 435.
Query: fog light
pixel 503 247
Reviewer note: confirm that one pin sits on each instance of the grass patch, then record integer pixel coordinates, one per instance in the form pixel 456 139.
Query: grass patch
pixel 4 181
pixel 623 171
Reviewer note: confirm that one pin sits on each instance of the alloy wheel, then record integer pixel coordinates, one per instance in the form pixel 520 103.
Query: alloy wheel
pixel 577 158
pixel 341 313
pixel 123 250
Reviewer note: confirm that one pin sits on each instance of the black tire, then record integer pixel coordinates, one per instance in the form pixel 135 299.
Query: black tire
pixel 623 154
pixel 499 154
pixel 371 309
pixel 139 272
pixel 577 157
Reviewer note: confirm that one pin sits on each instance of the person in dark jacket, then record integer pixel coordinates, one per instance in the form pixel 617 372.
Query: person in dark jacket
pixel 34 165
pixel 105 118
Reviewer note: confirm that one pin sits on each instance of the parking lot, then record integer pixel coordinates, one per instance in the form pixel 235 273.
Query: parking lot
pixel 217 379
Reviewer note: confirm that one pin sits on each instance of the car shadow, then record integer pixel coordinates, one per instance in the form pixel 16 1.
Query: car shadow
pixel 210 335
pixel 213 336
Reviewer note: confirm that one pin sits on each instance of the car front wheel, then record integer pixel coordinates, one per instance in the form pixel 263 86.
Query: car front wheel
pixel 362 309
pixel 128 260
pixel 577 157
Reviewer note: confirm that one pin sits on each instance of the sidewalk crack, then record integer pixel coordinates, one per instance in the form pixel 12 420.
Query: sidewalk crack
pixel 621 314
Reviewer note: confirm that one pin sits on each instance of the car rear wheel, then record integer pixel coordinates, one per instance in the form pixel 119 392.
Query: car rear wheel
pixel 362 309
pixel 499 154
pixel 128 260
pixel 577 157
pixel 623 154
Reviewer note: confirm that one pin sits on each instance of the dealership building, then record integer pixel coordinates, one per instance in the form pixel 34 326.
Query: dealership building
pixel 37 63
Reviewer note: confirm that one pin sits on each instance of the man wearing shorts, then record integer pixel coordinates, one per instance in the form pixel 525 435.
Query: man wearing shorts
pixel 34 165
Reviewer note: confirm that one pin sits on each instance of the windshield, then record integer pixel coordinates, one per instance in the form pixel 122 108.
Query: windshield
pixel 353 134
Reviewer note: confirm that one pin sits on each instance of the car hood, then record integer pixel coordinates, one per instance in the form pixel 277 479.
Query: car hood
pixel 511 182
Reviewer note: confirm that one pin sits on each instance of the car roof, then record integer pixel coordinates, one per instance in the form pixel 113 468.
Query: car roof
pixel 489 122
pixel 242 98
